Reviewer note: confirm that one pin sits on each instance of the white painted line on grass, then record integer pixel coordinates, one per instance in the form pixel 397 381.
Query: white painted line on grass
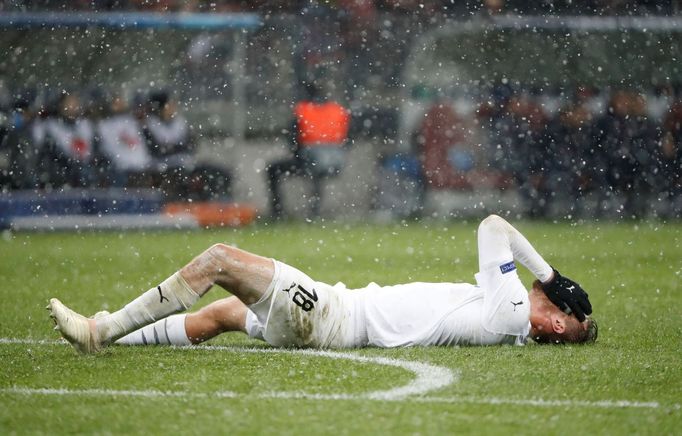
pixel 427 377
pixel 32 341
pixel 488 401
pixel 99 392
pixel 604 404
pixel 425 381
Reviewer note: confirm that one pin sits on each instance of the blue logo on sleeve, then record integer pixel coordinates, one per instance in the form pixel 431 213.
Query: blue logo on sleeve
pixel 507 267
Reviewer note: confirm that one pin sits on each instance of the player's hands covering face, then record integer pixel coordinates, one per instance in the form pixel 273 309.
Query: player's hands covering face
pixel 568 296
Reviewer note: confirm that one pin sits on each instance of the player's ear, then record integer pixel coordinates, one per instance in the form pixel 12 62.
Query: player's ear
pixel 558 323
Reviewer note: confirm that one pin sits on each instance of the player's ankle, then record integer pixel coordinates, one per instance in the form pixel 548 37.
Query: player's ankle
pixel 95 328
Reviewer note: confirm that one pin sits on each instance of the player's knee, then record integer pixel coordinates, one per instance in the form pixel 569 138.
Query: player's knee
pixel 227 263
pixel 491 220
pixel 222 252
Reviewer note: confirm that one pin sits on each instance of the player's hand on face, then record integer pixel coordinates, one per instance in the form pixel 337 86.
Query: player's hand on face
pixel 568 296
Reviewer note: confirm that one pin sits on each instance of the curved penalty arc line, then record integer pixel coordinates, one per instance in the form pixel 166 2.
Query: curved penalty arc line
pixel 423 382
pixel 427 377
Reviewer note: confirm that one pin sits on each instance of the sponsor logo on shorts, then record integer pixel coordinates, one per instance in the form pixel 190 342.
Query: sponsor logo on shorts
pixel 507 267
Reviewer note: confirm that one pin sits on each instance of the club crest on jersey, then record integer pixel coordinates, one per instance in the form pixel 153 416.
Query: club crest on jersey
pixel 507 267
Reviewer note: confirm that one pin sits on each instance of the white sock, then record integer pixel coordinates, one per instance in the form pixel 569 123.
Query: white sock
pixel 167 331
pixel 172 296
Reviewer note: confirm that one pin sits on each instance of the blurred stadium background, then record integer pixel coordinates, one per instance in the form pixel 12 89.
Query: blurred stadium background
pixel 568 112
pixel 543 109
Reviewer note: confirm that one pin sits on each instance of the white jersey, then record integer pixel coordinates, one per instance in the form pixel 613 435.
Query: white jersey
pixel 494 312
pixel 298 311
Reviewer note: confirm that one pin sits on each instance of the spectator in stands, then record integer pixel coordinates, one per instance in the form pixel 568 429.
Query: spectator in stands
pixel 358 27
pixel 671 158
pixel 172 147
pixel 318 135
pixel 495 121
pixel 320 46
pixel 629 141
pixel 528 153
pixel 67 148
pixel 122 145
pixel 95 104
pixel 444 140
pixel 574 166
pixel 170 143
pixel 19 142
pixel 167 131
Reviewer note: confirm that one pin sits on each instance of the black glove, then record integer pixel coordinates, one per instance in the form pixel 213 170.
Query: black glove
pixel 568 296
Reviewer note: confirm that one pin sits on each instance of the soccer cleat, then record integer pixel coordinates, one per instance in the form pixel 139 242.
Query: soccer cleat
pixel 75 328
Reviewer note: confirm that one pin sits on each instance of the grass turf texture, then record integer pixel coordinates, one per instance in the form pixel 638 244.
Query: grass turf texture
pixel 632 271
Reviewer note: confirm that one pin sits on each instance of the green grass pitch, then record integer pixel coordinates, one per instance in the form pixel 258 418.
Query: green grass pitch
pixel 629 382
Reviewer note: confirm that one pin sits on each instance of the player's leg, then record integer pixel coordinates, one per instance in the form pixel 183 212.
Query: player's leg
pixel 224 315
pixel 276 171
pixel 294 311
pixel 246 275
pixel 316 198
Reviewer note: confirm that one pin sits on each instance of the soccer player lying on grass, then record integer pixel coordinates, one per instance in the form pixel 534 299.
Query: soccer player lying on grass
pixel 279 304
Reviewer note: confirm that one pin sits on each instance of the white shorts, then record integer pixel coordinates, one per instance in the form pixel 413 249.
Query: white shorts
pixel 297 311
